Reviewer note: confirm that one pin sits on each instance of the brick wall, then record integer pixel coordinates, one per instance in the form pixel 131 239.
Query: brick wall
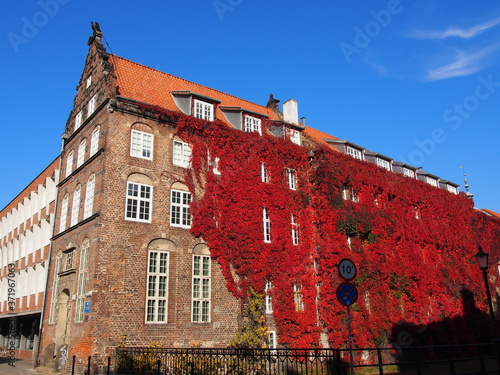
pixel 118 253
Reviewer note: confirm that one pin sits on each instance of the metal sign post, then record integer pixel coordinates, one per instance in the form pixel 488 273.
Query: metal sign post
pixel 347 294
pixel 349 332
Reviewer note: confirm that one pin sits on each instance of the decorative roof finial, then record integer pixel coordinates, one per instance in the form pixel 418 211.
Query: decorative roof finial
pixel 96 28
pixel 272 104
pixel 466 184
pixel 96 36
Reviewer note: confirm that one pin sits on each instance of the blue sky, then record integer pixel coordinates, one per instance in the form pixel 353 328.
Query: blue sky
pixel 418 81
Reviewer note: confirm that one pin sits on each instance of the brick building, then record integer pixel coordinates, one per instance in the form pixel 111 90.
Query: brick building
pixel 114 225
pixel 125 266
pixel 26 226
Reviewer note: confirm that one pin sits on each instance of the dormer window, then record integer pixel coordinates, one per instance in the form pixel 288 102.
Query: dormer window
pixel 451 189
pixel 431 181
pixel 382 163
pixel 253 124
pixel 408 172
pixel 203 110
pixel 354 152
pixel 294 136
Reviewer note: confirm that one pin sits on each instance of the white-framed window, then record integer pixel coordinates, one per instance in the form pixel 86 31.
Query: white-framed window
pixel 157 287
pixel 266 223
pixel 431 181
pixel 271 341
pixel 382 163
pixel 264 173
pixel 82 282
pixel 55 287
pixel 203 110
pixel 78 120
pixel 89 81
pixel 349 194
pixel 201 289
pixel 69 163
pixel 180 215
pixel 268 297
pixel 91 106
pixel 291 175
pixel 416 212
pixel 295 231
pixel 94 141
pixel 64 213
pixel 214 164
pixel 81 153
pixel 408 172
pixel 253 124
pixel 141 145
pixel 297 297
pixel 139 202
pixel 354 152
pixel 294 136
pixel 75 207
pixel 451 189
pixel 182 154
pixel 89 197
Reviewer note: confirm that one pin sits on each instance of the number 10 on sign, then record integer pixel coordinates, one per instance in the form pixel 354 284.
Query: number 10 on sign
pixel 347 269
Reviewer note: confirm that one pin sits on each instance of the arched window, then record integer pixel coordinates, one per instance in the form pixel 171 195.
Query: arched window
pixel 69 164
pixel 89 197
pixel 180 201
pixel 157 280
pixel 141 142
pixel 81 153
pixel 82 280
pixel 75 207
pixel 64 213
pixel 94 141
pixel 139 201
pixel 55 287
pixel 181 153
pixel 201 289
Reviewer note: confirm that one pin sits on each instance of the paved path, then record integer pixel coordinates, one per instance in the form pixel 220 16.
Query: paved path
pixel 24 366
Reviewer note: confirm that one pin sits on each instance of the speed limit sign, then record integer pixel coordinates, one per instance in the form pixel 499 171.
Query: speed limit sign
pixel 347 269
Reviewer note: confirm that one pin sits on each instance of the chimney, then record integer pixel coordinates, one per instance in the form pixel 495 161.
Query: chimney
pixel 291 111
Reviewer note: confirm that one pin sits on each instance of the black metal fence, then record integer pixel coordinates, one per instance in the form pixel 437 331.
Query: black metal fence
pixel 422 360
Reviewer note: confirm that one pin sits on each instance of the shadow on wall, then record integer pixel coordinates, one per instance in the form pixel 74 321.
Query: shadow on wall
pixel 473 327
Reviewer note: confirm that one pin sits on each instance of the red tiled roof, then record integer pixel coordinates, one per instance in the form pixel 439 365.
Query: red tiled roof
pixel 145 84
pixel 320 136
pixel 492 213
pixel 141 83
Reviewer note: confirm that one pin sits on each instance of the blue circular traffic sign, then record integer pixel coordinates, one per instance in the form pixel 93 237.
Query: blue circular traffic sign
pixel 347 294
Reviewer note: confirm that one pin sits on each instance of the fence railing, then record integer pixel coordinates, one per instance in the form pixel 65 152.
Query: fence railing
pixel 422 360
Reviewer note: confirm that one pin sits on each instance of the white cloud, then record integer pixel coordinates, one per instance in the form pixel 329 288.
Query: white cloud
pixel 463 64
pixel 464 33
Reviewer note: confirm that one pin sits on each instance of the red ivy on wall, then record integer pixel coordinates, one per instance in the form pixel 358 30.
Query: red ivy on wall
pixel 413 243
